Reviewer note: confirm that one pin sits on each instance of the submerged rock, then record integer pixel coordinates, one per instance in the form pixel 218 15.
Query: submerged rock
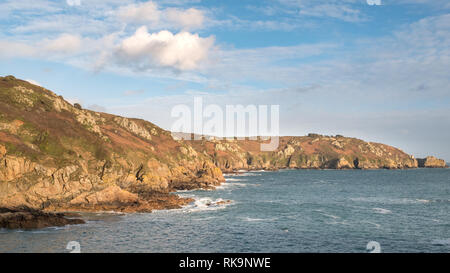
pixel 25 218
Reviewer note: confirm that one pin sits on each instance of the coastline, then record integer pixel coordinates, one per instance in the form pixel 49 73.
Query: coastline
pixel 28 218
pixel 82 160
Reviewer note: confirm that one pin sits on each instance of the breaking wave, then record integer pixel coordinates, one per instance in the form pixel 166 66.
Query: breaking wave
pixel 206 204
pixel 249 219
pixel 387 200
pixel 382 211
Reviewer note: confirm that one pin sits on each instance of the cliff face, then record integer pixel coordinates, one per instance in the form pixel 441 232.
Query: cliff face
pixel 54 156
pixel 308 152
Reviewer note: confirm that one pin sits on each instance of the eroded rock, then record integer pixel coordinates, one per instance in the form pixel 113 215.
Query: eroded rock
pixel 25 218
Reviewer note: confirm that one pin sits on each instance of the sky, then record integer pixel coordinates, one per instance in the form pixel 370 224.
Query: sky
pixel 378 70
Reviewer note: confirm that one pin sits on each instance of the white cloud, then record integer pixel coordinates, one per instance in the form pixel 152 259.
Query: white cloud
pixel 8 7
pixel 182 51
pixel 151 15
pixel 188 19
pixel 73 2
pixel 345 10
pixel 65 44
pixel 15 49
pixel 142 13
pixel 338 11
pixel 140 52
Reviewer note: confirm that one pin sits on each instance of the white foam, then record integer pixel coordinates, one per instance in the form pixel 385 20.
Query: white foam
pixel 249 219
pixel 109 212
pixel 248 174
pixel 206 204
pixel 382 211
pixel 226 186
pixel 330 215
pixel 235 179
pixel 386 200
pixel 204 219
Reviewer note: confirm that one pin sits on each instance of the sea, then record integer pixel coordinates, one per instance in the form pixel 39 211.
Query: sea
pixel 281 211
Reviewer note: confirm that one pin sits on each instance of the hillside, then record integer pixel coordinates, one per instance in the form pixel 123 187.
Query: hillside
pixel 57 157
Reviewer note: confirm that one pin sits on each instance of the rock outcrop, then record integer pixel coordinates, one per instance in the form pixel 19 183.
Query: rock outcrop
pixel 26 218
pixel 431 162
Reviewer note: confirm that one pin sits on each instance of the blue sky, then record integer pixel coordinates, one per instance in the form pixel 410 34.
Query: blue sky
pixel 378 72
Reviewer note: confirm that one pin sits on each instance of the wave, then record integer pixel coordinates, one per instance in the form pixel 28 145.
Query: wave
pixel 235 179
pixel 230 185
pixel 226 186
pixel 387 200
pixel 252 173
pixel 382 211
pixel 327 215
pixel 249 219
pixel 204 219
pixel 206 204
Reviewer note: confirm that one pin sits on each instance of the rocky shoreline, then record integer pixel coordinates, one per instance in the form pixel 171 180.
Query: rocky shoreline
pixel 56 157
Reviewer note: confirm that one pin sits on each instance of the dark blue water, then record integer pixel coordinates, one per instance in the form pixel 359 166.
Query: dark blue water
pixel 286 211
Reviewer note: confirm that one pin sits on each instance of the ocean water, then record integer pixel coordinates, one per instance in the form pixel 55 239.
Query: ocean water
pixel 285 211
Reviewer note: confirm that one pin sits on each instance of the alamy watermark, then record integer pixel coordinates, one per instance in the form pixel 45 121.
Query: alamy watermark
pixel 239 122
pixel 373 247
pixel 74 247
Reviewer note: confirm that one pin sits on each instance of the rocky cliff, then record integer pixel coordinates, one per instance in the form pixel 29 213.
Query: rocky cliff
pixel 308 152
pixel 54 156
pixel 58 157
